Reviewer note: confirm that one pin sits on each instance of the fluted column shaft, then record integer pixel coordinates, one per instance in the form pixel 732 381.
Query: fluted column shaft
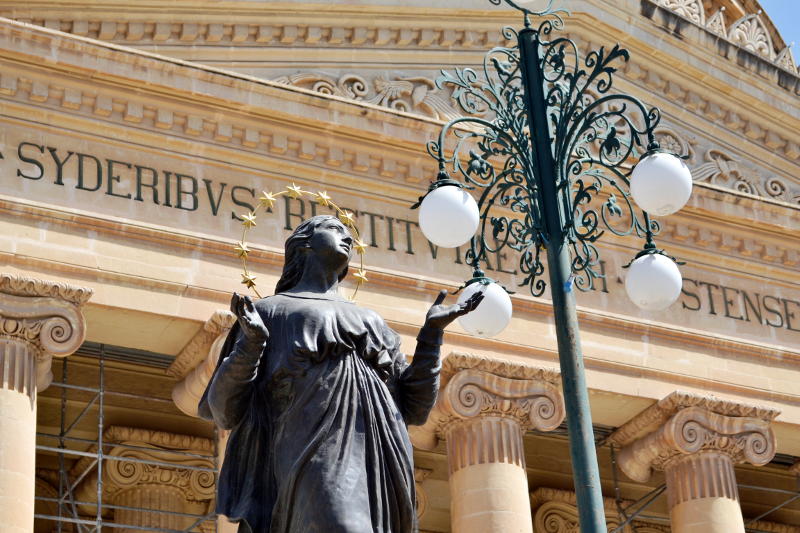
pixel 484 408
pixel 38 320
pixel 488 484
pixel 17 435
pixel 702 494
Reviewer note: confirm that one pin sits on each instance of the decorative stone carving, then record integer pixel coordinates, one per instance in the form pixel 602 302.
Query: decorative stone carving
pixel 716 23
pixel 481 387
pixel 556 511
pixel 410 94
pixel 420 474
pixel 674 142
pixel 751 33
pixel 533 405
pixel 693 430
pixel 785 60
pixel 690 9
pixel 722 169
pixel 772 527
pixel 655 416
pixel 22 286
pixel 697 440
pixel 38 320
pixel 167 472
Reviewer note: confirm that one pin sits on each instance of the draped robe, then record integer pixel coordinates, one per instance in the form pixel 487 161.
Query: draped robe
pixel 318 417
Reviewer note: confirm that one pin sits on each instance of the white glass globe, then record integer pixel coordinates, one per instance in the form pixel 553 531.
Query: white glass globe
pixel 448 216
pixel 661 184
pixel 653 282
pixel 493 313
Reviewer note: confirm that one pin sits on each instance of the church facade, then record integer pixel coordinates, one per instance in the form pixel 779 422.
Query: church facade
pixel 137 135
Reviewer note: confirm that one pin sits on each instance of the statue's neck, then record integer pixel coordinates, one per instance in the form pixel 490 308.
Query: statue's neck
pixel 317 279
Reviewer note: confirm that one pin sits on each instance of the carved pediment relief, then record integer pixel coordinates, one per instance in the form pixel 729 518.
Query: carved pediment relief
pixel 413 94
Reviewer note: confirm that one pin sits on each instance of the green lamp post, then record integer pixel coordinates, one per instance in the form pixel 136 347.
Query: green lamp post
pixel 555 159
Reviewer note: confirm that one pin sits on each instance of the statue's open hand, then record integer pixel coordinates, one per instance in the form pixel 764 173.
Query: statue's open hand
pixel 249 319
pixel 440 316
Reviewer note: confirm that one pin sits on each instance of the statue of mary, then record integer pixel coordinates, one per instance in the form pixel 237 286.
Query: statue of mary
pixel 317 396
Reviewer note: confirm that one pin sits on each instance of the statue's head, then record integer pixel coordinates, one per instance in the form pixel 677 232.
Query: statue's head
pixel 322 238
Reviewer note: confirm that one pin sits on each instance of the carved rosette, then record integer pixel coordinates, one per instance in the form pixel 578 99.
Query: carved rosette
pixel 38 320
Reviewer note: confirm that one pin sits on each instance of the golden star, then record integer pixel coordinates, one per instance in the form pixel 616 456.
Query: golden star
pixel 294 191
pixel 248 280
pixel 359 246
pixel 267 199
pixel 249 220
pixel 241 249
pixel 323 199
pixel 361 276
pixel 347 218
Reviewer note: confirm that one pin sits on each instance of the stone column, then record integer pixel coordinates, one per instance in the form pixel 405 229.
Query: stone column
pixel 484 408
pixel 194 366
pixel 175 486
pixel 696 440
pixel 38 320
pixel 195 363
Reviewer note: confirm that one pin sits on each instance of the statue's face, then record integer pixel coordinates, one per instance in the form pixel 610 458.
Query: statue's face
pixel 332 242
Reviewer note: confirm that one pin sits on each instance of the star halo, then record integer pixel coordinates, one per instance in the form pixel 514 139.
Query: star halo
pixel 267 200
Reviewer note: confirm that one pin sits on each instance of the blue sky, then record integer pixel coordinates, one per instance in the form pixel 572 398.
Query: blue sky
pixel 786 16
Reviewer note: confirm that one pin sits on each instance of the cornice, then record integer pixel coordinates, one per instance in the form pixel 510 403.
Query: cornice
pixel 374 164
pixel 657 414
pixel 747 121
pixel 457 361
pixel 281 140
pixel 31 287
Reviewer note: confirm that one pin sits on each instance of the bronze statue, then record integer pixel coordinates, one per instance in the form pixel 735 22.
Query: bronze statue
pixel 317 397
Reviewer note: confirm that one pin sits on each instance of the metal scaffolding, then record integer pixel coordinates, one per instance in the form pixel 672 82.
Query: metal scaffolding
pixel 70 514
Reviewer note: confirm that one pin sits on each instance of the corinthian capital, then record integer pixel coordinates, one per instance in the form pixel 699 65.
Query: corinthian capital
pixel 684 425
pixel 39 320
pixel 475 387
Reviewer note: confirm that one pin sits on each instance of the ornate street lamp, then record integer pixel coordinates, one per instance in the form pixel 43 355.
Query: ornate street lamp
pixel 549 151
